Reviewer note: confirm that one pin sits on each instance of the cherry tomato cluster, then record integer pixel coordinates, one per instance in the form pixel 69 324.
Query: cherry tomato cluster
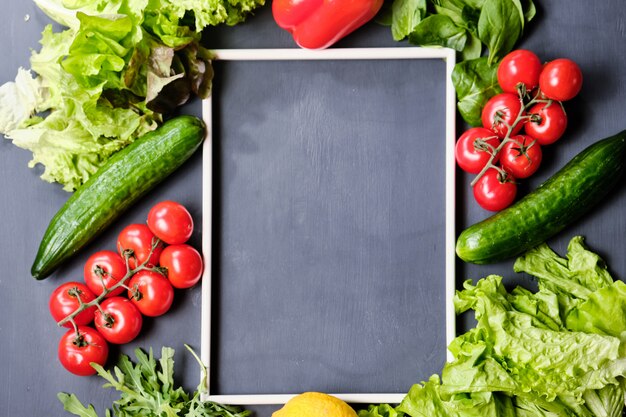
pixel 121 287
pixel 516 123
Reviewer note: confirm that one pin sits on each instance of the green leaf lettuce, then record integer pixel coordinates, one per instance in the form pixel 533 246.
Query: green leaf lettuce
pixel 108 78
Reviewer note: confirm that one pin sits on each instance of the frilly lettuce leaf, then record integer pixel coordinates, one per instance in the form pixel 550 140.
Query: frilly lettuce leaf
pixel 555 352
pixel 20 100
pixel 507 351
pixel 429 400
pixel 108 78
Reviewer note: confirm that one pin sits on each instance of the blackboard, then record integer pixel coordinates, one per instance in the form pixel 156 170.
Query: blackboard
pixel 328 240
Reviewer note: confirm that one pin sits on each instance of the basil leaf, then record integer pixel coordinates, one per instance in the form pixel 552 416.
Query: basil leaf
pixel 476 4
pixel 529 10
pixel 406 15
pixel 470 16
pixel 473 48
pixel 453 13
pixel 475 82
pixel 462 15
pixel 500 26
pixel 385 15
pixel 453 5
pixel 439 30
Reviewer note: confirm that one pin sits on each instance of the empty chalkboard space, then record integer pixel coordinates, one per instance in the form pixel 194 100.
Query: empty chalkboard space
pixel 328 225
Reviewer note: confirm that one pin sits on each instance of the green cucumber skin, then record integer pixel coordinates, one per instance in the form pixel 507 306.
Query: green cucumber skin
pixel 117 185
pixel 556 203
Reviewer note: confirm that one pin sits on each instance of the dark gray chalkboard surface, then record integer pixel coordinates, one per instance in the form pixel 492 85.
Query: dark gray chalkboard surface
pixel 329 238
pixel 593 34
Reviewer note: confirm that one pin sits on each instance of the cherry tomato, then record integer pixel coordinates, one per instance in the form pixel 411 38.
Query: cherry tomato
pixel 521 157
pixel 520 67
pixel 500 113
pixel 64 300
pixel 561 79
pixel 77 352
pixel 183 265
pixel 118 320
pixel 170 222
pixel 151 292
pixel 105 267
pixel 139 240
pixel 547 122
pixel 472 149
pixel 495 191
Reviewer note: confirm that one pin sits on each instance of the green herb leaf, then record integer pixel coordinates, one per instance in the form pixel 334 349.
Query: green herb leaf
pixel 463 16
pixel 72 404
pixel 100 83
pixel 385 15
pixel 473 48
pixel 475 82
pixel 476 4
pixel 383 410
pixel 147 389
pixel 530 11
pixel 439 30
pixel 406 15
pixel 500 26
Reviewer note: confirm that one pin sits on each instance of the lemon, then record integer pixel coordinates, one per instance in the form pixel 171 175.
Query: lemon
pixel 315 404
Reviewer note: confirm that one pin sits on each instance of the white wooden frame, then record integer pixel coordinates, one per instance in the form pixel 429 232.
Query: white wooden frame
pixel 397 53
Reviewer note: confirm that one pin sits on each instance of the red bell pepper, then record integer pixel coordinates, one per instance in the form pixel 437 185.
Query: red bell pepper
pixel 317 24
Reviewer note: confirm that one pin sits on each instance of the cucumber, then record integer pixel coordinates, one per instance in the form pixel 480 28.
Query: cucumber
pixel 119 183
pixel 559 201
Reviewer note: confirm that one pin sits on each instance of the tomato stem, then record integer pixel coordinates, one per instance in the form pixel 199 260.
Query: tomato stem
pixel 507 138
pixel 107 290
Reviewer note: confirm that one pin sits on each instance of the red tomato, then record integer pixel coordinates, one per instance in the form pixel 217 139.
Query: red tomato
pixel 521 156
pixel 472 149
pixel 118 320
pixel 77 351
pixel 501 112
pixel 183 264
pixel 561 79
pixel 170 222
pixel 520 67
pixel 547 122
pixel 65 300
pixel 495 191
pixel 151 292
pixel 139 241
pixel 105 267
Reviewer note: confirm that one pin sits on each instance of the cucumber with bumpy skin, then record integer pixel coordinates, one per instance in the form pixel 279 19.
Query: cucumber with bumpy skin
pixel 562 199
pixel 119 183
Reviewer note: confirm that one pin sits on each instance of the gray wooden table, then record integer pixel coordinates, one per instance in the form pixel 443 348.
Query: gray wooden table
pixel 406 324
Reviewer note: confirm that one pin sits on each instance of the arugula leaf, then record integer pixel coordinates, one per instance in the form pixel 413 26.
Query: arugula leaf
pixel 439 30
pixel 475 81
pixel 147 389
pixel 72 404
